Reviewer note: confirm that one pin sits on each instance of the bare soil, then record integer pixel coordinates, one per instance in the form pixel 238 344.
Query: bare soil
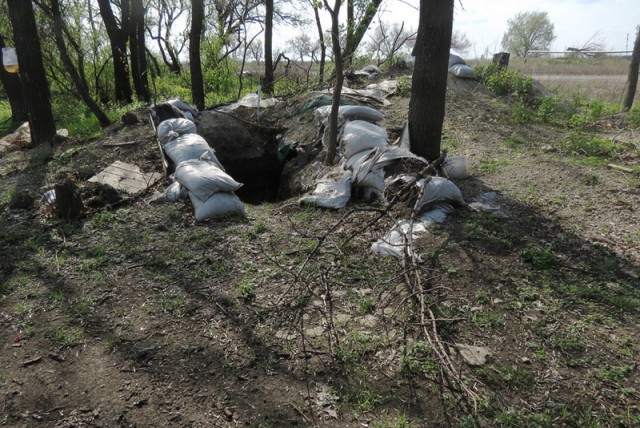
pixel 135 315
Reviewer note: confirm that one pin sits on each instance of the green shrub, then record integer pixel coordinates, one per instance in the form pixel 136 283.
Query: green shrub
pixel 505 82
pixel 633 117
pixel 403 86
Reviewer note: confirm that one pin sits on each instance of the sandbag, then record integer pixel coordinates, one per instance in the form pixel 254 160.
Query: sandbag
pixel 359 135
pixel 220 204
pixel 349 112
pixel 439 190
pixel 172 128
pixel 455 59
pixel 462 71
pixel 189 111
pixel 173 193
pixel 330 192
pixel 204 178
pixel 189 147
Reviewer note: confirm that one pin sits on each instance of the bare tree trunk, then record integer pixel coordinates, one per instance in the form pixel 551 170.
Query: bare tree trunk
pixel 195 65
pixel 78 81
pixel 337 89
pixel 139 68
pixel 355 32
pixel 118 40
pixel 32 73
pixel 267 84
pixel 429 83
pixel 13 89
pixel 323 46
pixel 632 79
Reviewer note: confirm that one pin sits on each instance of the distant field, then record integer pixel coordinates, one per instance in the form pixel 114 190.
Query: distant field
pixel 601 78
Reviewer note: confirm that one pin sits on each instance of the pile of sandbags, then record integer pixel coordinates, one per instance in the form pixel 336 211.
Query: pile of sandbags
pixel 198 175
pixel 365 152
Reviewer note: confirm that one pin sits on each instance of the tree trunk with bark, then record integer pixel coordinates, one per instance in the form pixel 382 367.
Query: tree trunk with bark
pixel 323 46
pixel 267 83
pixel 13 89
pixel 78 81
pixel 356 31
pixel 337 89
pixel 118 36
pixel 32 73
pixel 139 67
pixel 429 82
pixel 632 79
pixel 195 65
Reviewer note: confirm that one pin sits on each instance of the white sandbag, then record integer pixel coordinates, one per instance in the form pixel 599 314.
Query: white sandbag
pixel 359 135
pixel 189 111
pixel 173 193
pixel 396 241
pixel 172 128
pixel 221 204
pixel 439 190
pixel 204 178
pixel 189 147
pixel 330 192
pixel 462 71
pixel 349 113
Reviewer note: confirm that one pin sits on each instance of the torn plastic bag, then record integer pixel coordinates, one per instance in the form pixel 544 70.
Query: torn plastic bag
pixel 396 241
pixel 438 190
pixel 254 101
pixel 359 135
pixel 172 128
pixel 189 111
pixel 220 204
pixel 330 192
pixel 173 193
pixel 204 178
pixel 189 147
pixel 462 71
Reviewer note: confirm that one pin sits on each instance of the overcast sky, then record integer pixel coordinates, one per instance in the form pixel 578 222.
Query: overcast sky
pixel 485 21
pixel 575 21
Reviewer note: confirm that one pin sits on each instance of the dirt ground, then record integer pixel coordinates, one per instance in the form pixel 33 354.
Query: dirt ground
pixel 135 315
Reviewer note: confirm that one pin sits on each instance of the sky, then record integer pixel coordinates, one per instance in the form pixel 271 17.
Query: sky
pixel 575 21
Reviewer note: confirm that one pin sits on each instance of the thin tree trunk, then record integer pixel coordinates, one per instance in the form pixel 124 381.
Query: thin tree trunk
pixel 337 89
pixel 323 46
pixel 429 82
pixel 632 79
pixel 32 73
pixel 138 53
pixel 13 89
pixel 355 33
pixel 267 84
pixel 80 84
pixel 197 83
pixel 118 39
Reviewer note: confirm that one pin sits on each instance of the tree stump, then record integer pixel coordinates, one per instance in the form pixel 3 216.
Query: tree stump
pixel 68 200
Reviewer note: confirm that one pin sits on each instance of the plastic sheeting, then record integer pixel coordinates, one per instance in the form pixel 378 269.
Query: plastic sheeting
pixel 330 192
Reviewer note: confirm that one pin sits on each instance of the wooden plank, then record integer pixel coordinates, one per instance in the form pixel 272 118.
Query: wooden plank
pixel 125 177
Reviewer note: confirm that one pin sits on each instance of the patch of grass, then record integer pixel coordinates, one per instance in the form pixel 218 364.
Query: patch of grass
pixel 63 337
pixel 245 290
pixel 418 360
pixel 366 305
pixel 581 144
pixel 403 87
pixel 257 230
pixel 364 400
pixel 492 166
pixel 514 143
pixel 568 343
pixel 539 258
pixel 172 302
